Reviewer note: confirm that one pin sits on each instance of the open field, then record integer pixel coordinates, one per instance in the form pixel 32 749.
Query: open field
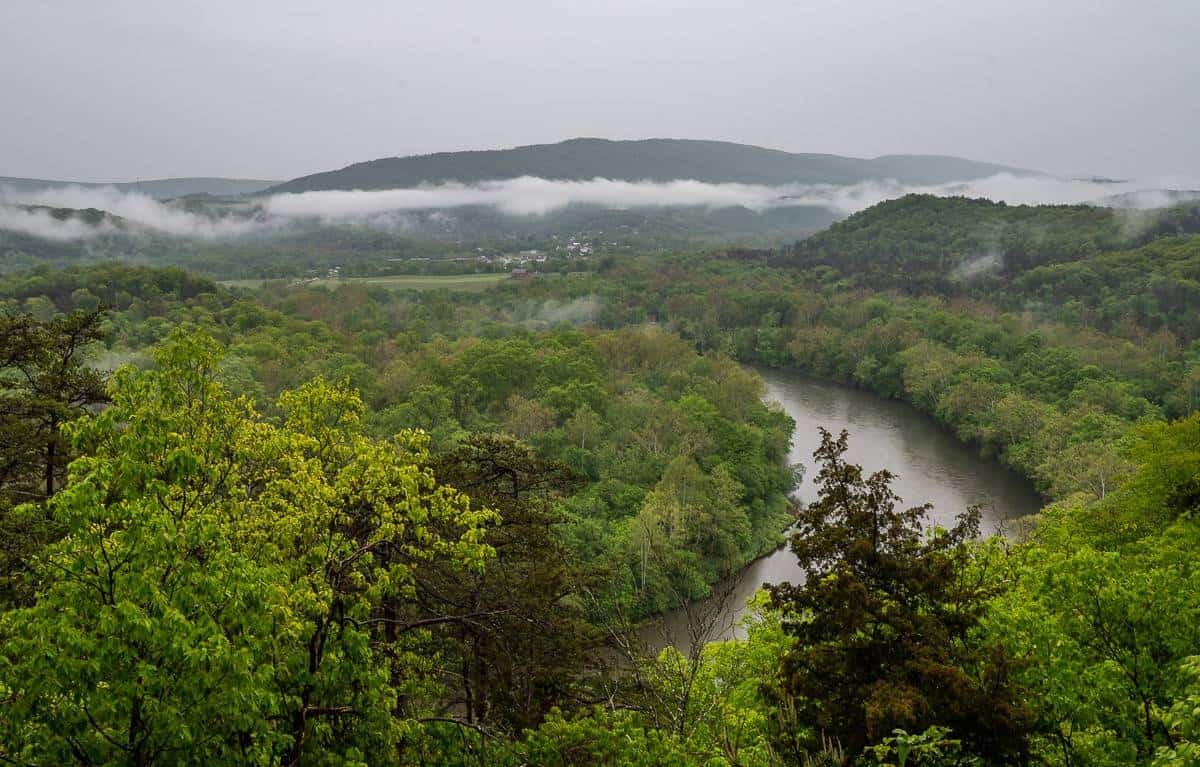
pixel 398 282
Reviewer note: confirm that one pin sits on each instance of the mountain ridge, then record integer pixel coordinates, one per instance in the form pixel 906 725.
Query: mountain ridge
pixel 159 188
pixel 658 159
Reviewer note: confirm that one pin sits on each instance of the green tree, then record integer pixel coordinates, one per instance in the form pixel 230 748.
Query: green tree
pixel 1183 718
pixel 44 383
pixel 524 417
pixel 884 624
pixel 584 427
pixel 218 596
pixel 513 640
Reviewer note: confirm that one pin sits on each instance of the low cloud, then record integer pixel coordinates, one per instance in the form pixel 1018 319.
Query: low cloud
pixel 39 223
pixel 137 209
pixel 530 196
pixel 1002 187
pixel 979 265
pixel 582 310
pixel 524 196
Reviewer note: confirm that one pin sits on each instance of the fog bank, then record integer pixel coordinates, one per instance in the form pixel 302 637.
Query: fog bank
pixel 524 196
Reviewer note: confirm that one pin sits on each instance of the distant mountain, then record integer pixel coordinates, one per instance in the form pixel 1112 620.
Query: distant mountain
pixel 652 159
pixel 164 188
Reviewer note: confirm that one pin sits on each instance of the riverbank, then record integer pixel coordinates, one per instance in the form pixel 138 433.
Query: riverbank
pixel 929 464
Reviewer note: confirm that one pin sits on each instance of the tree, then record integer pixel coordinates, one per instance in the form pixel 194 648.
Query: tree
pixel 526 417
pixel 1104 636
pixel 1103 608
pixel 521 639
pixel 1184 720
pixel 1094 467
pixel 219 595
pixel 44 383
pixel 690 531
pixel 883 624
pixel 584 427
pixel 601 739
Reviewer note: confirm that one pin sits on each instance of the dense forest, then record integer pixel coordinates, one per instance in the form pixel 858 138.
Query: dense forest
pixel 348 524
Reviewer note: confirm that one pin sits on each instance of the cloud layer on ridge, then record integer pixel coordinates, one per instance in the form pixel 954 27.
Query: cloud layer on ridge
pixel 523 196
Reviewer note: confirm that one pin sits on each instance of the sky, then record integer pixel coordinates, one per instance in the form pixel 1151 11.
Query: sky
pixel 126 89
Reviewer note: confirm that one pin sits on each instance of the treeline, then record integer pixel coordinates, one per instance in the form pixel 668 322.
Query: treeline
pixel 304 252
pixel 418 242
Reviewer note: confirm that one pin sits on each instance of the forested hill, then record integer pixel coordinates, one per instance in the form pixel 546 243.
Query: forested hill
pixel 652 159
pixel 1111 265
pixel 917 238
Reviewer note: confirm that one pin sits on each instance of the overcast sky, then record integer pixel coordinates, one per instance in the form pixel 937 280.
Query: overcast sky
pixel 126 89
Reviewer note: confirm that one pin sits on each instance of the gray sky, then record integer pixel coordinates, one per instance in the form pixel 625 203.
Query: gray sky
pixel 122 89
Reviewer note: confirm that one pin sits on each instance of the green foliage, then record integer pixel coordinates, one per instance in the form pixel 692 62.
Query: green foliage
pixel 1104 612
pixel 884 625
pixel 712 698
pixel 44 384
pixel 686 466
pixel 1055 339
pixel 519 636
pixel 932 748
pixel 1080 260
pixel 1183 719
pixel 610 739
pixel 216 597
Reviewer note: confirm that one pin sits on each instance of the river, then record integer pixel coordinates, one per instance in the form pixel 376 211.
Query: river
pixel 929 464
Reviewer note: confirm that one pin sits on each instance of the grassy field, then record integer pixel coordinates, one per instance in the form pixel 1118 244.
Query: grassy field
pixel 399 282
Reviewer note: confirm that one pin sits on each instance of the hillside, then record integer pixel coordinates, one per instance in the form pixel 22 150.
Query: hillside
pixel 1149 198
pixel 162 189
pixel 1102 266
pixel 652 159
pixel 919 242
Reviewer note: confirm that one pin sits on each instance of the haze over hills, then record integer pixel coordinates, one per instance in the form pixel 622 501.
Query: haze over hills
pixel 1149 198
pixel 583 159
pixel 649 191
pixel 162 189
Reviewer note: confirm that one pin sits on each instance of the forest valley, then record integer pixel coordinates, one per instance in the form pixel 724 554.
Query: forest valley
pixel 349 525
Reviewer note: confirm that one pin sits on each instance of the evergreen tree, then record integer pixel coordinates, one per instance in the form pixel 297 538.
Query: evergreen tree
pixel 884 624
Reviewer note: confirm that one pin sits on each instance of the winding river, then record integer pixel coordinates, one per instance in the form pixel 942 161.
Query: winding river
pixel 930 464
